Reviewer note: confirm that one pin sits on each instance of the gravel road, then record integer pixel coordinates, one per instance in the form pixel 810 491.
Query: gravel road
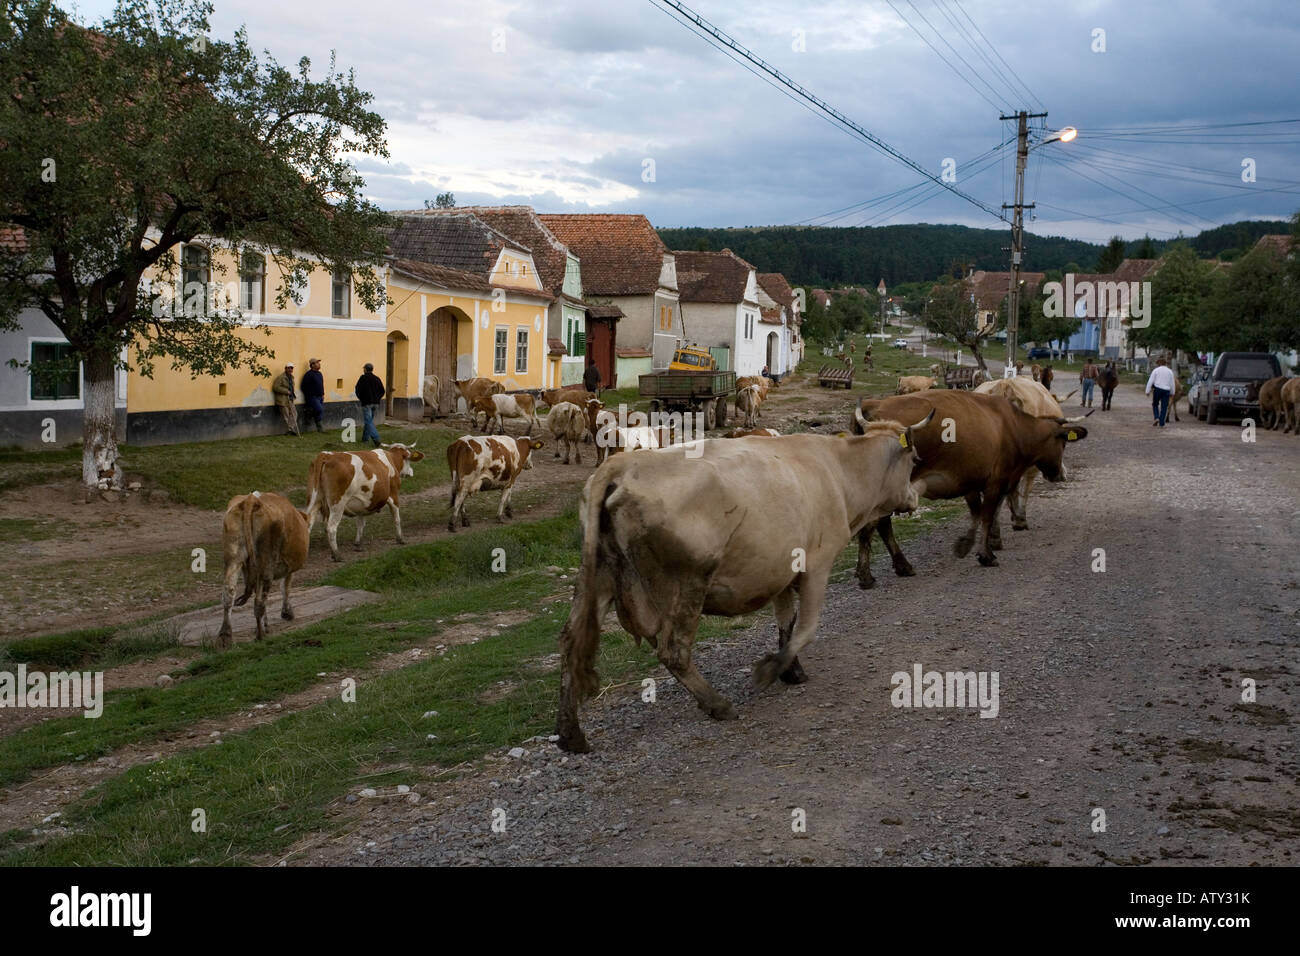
pixel 1120 693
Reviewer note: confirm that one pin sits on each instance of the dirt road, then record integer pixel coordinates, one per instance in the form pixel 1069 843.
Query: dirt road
pixel 1120 693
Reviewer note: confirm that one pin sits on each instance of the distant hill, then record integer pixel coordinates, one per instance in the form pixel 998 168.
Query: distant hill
pixel 829 256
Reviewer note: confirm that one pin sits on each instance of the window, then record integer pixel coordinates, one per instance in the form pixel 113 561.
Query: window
pixel 521 350
pixel 341 296
pixel 55 374
pixel 499 353
pixel 195 275
pixel 252 269
pixel 666 318
pixel 575 339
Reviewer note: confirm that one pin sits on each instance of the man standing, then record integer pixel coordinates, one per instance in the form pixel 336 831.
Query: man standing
pixel 591 377
pixel 313 393
pixel 1088 379
pixel 370 392
pixel 283 390
pixel 1161 383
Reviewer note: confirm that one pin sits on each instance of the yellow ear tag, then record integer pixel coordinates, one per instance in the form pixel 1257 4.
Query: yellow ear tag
pixel 902 439
pixel 1071 436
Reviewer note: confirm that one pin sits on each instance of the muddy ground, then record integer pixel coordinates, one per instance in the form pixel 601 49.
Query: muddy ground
pixel 1120 694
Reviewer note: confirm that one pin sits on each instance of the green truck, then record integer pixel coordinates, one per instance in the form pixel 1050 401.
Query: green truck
pixel 673 390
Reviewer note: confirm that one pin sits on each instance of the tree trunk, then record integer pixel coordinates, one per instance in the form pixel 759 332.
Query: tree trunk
pixel 99 466
pixel 979 359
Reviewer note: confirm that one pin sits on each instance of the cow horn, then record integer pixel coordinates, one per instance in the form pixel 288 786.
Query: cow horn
pixel 857 416
pixel 1067 398
pixel 1076 418
pixel 924 421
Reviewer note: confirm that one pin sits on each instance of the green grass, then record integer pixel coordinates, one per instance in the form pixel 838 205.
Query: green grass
pixel 33 529
pixel 21 468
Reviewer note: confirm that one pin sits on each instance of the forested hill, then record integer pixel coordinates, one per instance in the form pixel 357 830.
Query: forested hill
pixel 822 256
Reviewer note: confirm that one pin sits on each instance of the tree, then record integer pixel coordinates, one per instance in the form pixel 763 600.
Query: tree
pixel 816 320
pixel 443 201
pixel 1146 248
pixel 852 312
pixel 1245 310
pixel 123 142
pixel 1177 292
pixel 1111 256
pixel 953 313
pixel 1043 325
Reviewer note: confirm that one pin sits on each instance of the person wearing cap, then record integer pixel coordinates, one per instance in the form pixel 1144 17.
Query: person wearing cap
pixel 313 393
pixel 283 390
pixel 370 392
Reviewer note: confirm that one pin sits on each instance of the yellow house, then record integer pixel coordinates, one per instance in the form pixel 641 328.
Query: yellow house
pixel 325 320
pixel 465 301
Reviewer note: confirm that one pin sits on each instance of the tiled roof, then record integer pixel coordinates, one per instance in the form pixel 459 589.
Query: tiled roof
pixel 556 347
pixel 13 238
pixel 771 316
pixel 821 297
pixel 1131 270
pixel 991 288
pixel 443 277
pixel 1281 243
pixel 712 276
pixel 522 225
pixel 774 285
pixel 451 239
pixel 605 312
pixel 620 254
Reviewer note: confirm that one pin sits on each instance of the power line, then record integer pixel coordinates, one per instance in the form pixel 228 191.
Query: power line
pixel 948 62
pixel 965 34
pixel 687 17
pixel 1022 83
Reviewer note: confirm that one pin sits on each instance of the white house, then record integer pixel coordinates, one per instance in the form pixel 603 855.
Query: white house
pixel 721 311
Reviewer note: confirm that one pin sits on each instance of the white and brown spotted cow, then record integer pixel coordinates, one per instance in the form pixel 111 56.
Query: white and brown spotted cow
pixel 567 424
pixel 498 407
pixel 487 462
pixel 356 484
pixel 264 538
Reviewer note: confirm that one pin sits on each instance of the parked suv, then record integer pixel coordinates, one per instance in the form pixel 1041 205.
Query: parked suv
pixel 1225 391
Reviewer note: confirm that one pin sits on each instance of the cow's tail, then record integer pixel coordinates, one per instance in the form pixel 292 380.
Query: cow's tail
pixel 581 635
pixel 316 506
pixel 252 567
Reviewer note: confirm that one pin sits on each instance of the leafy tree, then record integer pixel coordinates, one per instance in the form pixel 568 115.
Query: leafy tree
pixel 125 141
pixel 816 320
pixel 1246 308
pixel 1177 292
pixel 443 201
pixel 1111 256
pixel 953 314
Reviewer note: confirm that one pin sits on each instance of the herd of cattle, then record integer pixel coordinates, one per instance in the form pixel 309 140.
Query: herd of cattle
pixel 724 529
pixel 1279 402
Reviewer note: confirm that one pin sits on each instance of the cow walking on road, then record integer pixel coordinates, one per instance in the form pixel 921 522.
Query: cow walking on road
pixel 478 463
pixel 356 485
pixel 264 538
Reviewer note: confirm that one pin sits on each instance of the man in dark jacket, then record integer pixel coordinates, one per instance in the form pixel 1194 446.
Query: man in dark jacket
pixel 313 391
pixel 370 392
pixel 591 377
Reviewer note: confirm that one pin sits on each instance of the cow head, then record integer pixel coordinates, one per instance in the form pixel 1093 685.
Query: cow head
pixel 405 454
pixel 897 492
pixel 1051 451
pixel 526 448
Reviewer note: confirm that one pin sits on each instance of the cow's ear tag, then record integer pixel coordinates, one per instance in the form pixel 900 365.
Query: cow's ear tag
pixel 902 439
pixel 1072 436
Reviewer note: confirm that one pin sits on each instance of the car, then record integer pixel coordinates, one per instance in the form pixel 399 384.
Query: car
pixel 900 343
pixel 1195 385
pixel 1041 352
pixel 1224 391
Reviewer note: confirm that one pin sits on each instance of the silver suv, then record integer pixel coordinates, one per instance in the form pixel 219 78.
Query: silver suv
pixel 1225 391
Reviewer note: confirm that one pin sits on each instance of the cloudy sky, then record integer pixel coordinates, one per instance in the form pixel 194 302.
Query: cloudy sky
pixel 613 105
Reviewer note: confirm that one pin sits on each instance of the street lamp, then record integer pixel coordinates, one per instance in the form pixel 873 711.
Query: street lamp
pixel 1064 135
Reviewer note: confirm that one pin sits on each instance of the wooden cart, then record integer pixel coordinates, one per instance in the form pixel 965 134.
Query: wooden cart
pixel 962 377
pixel 830 376
pixel 672 390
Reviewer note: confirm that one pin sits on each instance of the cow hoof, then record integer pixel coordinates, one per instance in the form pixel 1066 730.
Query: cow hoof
pixel 722 710
pixel 224 634
pixel 451 526
pixel 963 546
pixel 401 540
pixel 767 669
pixel 794 673
pixel 866 581
pixel 287 615
pixel 574 742
pixel 335 556
pixel 1020 526
pixel 904 569
pixel 241 600
pixel 995 545
pixel 989 560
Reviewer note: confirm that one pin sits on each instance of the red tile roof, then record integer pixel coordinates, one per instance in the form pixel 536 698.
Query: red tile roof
pixel 620 254
pixel 771 316
pixel 774 285
pixel 1130 270
pixel 631 351
pixel 991 288
pixel 522 225
pixel 13 238
pixel 712 276
pixel 605 312
pixel 451 239
pixel 556 347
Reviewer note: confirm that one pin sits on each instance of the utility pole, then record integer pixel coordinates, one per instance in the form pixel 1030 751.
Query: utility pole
pixel 1017 230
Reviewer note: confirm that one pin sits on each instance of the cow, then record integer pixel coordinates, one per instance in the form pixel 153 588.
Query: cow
pixel 498 407
pixel 666 538
pixel 1108 379
pixel 753 433
pixel 567 424
pixel 1045 377
pixel 1291 405
pixel 484 463
pixel 598 418
pixel 1035 399
pixel 264 537
pixel 356 484
pixel 1036 371
pixel 1268 392
pixel 1178 392
pixel 575 394
pixel 748 401
pixel 431 393
pixel 915 383
pixel 760 382
pixel 990 446
pixel 1020 367
pixel 472 389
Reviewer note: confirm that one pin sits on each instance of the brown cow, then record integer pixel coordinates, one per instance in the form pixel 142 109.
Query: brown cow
pixel 600 425
pixel 1037 371
pixel 576 394
pixel 667 538
pixel 356 484
pixel 1291 405
pixel 264 537
pixel 478 464
pixel 473 389
pixel 915 383
pixel 748 401
pixel 991 445
pixel 1269 395
pixel 498 407
pixel 1045 377
pixel 567 424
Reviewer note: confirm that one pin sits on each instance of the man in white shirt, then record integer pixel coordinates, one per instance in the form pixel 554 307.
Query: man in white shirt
pixel 1160 386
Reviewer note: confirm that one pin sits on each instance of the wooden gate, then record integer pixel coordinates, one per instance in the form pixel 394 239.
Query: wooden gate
pixel 440 358
pixel 600 347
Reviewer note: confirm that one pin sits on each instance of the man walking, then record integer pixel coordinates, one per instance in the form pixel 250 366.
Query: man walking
pixel 283 390
pixel 370 392
pixel 1088 379
pixel 313 393
pixel 591 377
pixel 1160 386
